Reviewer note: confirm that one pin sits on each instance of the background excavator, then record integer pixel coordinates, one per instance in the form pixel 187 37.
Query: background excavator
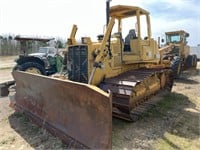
pixel 115 76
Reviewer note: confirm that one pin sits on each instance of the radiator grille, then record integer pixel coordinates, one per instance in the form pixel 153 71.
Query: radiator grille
pixel 78 63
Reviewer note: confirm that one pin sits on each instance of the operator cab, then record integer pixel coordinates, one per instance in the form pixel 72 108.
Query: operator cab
pixel 135 42
pixel 177 37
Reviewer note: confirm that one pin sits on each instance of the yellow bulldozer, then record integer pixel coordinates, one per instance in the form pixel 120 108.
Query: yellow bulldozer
pixel 114 76
pixel 178 53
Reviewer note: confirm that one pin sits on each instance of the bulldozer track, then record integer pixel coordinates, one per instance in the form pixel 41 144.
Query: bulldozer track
pixel 127 103
pixel 138 112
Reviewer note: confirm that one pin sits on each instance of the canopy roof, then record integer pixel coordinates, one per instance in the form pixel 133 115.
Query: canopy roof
pixel 177 32
pixel 26 38
pixel 122 11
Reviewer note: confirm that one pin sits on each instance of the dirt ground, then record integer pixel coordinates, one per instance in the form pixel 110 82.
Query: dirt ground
pixel 6 65
pixel 173 124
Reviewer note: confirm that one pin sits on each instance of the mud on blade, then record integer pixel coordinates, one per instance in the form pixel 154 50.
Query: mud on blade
pixel 79 114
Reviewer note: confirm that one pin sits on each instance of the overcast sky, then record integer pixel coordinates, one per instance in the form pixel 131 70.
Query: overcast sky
pixel 56 17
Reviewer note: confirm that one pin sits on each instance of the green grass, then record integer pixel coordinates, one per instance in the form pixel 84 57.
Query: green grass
pixel 172 141
pixel 169 102
pixel 181 130
pixel 184 131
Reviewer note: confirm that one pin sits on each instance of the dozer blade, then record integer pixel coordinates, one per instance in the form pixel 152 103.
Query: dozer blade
pixel 79 114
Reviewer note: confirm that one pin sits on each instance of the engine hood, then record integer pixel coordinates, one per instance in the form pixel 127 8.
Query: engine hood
pixel 37 54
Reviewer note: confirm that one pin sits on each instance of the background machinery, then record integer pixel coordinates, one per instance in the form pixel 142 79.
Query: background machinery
pixel 179 53
pixel 116 76
pixel 45 61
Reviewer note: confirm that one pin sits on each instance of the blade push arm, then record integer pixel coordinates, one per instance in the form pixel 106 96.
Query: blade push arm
pixel 71 40
pixel 101 55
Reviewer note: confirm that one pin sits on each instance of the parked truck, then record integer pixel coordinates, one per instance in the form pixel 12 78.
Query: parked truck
pixel 46 61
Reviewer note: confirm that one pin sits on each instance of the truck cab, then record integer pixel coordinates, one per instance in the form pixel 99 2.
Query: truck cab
pixel 45 51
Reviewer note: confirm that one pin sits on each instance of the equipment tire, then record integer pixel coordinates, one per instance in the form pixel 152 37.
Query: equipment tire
pixel 189 61
pixel 176 66
pixel 32 67
pixel 194 64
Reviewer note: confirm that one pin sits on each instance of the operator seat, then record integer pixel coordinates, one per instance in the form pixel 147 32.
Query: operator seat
pixel 131 35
